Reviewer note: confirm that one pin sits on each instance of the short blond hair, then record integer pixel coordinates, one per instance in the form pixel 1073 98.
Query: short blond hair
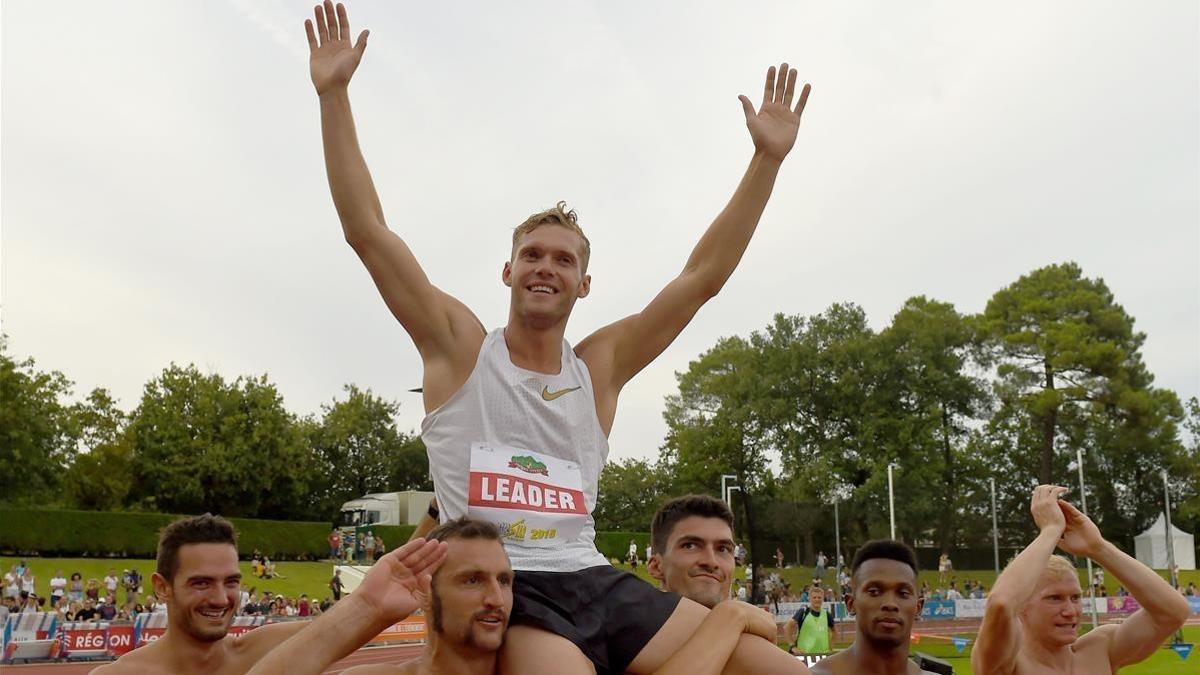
pixel 1059 566
pixel 559 215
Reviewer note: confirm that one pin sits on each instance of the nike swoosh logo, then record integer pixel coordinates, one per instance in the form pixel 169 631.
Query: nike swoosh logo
pixel 548 395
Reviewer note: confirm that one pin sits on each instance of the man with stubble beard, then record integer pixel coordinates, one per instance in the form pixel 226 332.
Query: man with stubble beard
pixel 198 578
pixel 885 603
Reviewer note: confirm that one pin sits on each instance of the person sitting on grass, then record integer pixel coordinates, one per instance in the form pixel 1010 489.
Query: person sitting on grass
pixel 1031 624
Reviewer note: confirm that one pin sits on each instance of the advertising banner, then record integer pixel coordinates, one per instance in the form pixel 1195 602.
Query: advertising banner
pixel 938 609
pixel 969 609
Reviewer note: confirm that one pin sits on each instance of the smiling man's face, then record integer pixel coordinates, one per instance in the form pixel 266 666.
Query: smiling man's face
pixel 202 597
pixel 698 560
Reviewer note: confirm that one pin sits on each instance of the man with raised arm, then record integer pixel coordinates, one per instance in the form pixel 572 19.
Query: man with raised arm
pixel 198 578
pixel 1031 624
pixel 517 419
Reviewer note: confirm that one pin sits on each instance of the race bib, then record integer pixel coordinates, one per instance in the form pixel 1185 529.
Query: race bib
pixel 534 499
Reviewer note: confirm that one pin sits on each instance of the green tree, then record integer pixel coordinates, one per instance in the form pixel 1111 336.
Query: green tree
pixel 1059 341
pixel 102 474
pixel 37 439
pixel 630 493
pixel 200 444
pixel 360 450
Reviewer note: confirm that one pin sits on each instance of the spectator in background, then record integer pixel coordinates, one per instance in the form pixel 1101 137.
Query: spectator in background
pixel 779 557
pixel 108 611
pixel 945 568
pixel 632 556
pixel 111 582
pixel 335 544
pixel 819 568
pixel 12 583
pixel 87 612
pixel 5 610
pixel 369 546
pixel 21 568
pixel 303 608
pixel 739 554
pixel 953 593
pixel 133 584
pixel 380 549
pixel 58 587
pixel 810 630
pixel 93 590
pixel 28 582
pixel 978 593
pixel 75 588
pixel 335 585
pixel 1191 590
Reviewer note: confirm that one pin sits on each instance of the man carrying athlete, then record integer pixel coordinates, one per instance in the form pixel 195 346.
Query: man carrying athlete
pixel 199 579
pixel 517 420
pixel 1031 624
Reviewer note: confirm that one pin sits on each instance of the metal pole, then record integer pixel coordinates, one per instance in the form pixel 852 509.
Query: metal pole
pixel 1170 540
pixel 891 502
pixel 995 530
pixel 1083 503
pixel 724 490
pixel 1170 545
pixel 837 536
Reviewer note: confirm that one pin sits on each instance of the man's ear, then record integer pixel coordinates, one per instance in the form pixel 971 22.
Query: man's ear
pixel 162 587
pixel 654 568
pixel 585 286
pixel 506 274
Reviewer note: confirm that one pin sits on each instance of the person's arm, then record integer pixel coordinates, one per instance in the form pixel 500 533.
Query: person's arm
pixel 430 316
pixel 710 647
pixel 622 349
pixel 791 631
pixel 429 520
pixel 995 650
pixel 1163 610
pixel 830 615
pixel 394 588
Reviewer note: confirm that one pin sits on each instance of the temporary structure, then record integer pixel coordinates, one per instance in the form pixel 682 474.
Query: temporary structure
pixel 1151 546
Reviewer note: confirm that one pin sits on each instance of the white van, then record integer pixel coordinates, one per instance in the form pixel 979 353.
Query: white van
pixel 385 508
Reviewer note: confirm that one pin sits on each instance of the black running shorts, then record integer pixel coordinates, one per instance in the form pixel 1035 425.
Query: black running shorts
pixel 609 614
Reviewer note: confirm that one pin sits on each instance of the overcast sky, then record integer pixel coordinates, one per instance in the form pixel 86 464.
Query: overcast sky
pixel 164 194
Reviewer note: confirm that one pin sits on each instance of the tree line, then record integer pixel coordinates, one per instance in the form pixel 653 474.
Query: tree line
pixel 807 411
pixel 812 410
pixel 197 442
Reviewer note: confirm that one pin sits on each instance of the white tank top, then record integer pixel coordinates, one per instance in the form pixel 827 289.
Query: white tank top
pixel 524 450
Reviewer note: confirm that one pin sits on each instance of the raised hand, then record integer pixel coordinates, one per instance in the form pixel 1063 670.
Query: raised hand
pixel 1045 509
pixel 398 583
pixel 332 59
pixel 774 126
pixel 1081 536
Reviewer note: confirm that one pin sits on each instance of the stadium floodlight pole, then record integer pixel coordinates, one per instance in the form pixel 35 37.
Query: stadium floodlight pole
pixel 1171 573
pixel 725 490
pixel 837 533
pixel 1083 503
pixel 1169 539
pixel 891 500
pixel 995 530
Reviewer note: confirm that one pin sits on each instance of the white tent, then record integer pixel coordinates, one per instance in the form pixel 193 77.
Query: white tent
pixel 1151 546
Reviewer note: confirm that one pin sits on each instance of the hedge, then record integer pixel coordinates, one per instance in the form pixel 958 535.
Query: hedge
pixel 58 532
pixel 135 535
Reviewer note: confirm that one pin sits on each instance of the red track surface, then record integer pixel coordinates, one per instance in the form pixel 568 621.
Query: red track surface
pixel 362 657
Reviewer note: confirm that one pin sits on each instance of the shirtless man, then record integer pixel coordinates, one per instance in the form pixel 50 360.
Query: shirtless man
pixel 464 585
pixel 517 420
pixel 199 579
pixel 885 604
pixel 692 539
pixel 1031 624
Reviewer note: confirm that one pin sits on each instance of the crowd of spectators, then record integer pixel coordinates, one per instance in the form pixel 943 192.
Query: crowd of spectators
pixel 73 598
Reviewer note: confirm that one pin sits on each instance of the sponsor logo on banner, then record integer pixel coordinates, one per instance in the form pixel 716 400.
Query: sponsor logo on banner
pixel 1101 605
pixel 1194 603
pixel 411 629
pixel 938 609
pixel 535 500
pixel 1125 605
pixel 971 608
pixel 120 639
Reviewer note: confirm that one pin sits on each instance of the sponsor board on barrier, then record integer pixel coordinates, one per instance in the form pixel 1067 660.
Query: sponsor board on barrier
pixel 970 608
pixel 1194 603
pixel 412 629
pixel 938 609
pixel 1125 605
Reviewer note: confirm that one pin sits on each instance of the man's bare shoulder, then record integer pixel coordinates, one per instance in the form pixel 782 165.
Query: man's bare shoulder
pixel 140 660
pixel 835 664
